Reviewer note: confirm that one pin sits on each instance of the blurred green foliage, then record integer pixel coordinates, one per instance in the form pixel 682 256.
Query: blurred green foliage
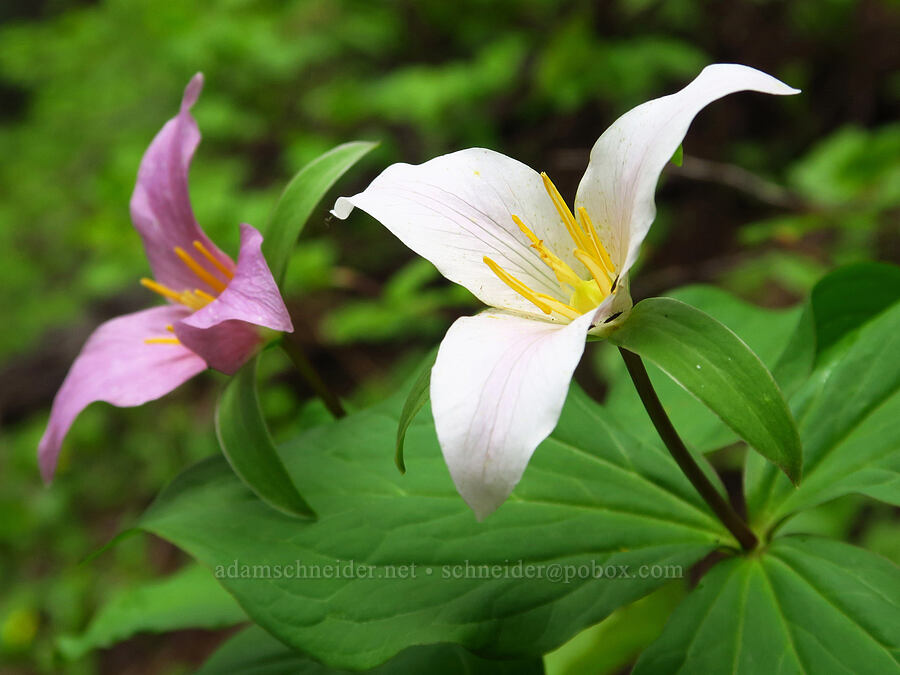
pixel 85 85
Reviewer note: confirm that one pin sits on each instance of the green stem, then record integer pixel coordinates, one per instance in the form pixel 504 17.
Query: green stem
pixel 682 455
pixel 302 364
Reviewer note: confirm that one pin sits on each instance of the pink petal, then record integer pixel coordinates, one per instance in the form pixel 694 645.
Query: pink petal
pixel 226 333
pixel 161 206
pixel 117 366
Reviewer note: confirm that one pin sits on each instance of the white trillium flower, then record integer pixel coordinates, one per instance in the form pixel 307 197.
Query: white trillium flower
pixel 551 276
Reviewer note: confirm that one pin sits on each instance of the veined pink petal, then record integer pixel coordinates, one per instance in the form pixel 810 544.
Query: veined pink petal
pixel 497 390
pixel 226 332
pixel 117 366
pixel 161 205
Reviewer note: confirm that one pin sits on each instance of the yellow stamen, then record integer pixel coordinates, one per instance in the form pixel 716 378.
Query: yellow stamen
pixel 517 285
pixel 162 341
pixel 164 291
pixel 213 259
pixel 197 269
pixel 170 328
pixel 568 219
pixel 564 273
pixel 595 240
pixel 532 237
pixel 196 299
pixel 190 300
pixel 586 294
pixel 206 297
pixel 558 306
pixel 600 275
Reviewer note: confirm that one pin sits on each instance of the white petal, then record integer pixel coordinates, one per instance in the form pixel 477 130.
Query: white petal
pixel 458 208
pixel 497 390
pixel 618 187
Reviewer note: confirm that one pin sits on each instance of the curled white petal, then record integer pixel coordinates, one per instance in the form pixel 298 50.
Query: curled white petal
pixel 456 209
pixel 497 390
pixel 618 187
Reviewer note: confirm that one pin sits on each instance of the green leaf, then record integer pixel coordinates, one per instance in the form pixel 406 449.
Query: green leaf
pixel 403 542
pixel 806 605
pixel 765 331
pixel 190 598
pixel 796 361
pixel 839 305
pixel 301 196
pixel 418 396
pixel 247 445
pixel 678 157
pixel 254 652
pixel 847 415
pixel 616 642
pixel 714 365
pixel 848 298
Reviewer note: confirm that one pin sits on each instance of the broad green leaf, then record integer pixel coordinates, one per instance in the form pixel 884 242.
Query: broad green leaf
pixel 714 365
pixel 190 598
pixel 300 197
pixel 839 305
pixel 796 361
pixel 805 605
pixel 416 399
pixel 616 642
pixel 766 332
pixel 247 445
pixel 785 340
pixel 403 543
pixel 254 652
pixel 847 415
pixel 849 297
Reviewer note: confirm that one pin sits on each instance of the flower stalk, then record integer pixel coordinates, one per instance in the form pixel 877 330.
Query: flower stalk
pixel 313 379
pixel 682 455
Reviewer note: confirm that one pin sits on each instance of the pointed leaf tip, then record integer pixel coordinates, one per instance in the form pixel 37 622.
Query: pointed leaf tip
pixel 296 204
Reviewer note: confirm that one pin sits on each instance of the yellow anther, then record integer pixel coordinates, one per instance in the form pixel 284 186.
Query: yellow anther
pixel 164 291
pixel 162 341
pixel 190 300
pixel 597 244
pixel 546 303
pixel 197 269
pixel 558 306
pixel 600 275
pixel 532 237
pixel 586 294
pixel 564 273
pixel 517 285
pixel 170 328
pixel 568 219
pixel 203 295
pixel 205 252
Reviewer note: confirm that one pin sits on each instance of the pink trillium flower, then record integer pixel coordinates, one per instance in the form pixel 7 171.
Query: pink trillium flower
pixel 550 275
pixel 218 315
